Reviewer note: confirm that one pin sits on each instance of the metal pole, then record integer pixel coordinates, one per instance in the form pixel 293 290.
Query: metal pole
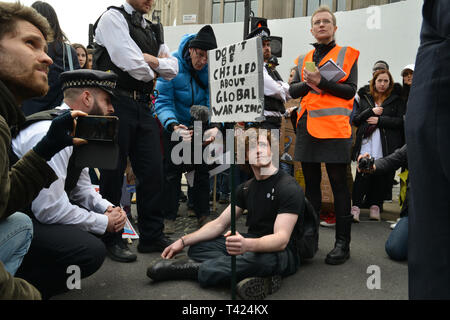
pixel 233 230
pixel 232 173
pixel 246 17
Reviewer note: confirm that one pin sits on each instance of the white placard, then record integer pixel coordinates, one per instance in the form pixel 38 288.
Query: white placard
pixel 236 82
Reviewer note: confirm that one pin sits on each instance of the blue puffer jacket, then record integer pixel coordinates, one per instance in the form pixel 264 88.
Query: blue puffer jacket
pixel 178 95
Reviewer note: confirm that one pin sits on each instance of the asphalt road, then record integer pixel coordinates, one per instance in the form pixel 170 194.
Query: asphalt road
pixel 314 280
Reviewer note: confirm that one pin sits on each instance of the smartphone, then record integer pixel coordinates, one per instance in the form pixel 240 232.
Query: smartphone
pixel 97 128
pixel 310 66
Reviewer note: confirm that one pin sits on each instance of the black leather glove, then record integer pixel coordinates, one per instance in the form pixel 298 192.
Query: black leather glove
pixel 57 138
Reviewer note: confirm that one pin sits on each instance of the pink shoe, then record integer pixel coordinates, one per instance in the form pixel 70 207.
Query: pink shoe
pixel 355 213
pixel 374 213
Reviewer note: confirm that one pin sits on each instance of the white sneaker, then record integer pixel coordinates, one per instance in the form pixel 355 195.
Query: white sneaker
pixel 394 224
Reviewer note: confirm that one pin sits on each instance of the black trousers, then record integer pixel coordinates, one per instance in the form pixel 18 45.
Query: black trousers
pixel 172 183
pixel 139 138
pixel 54 248
pixel 337 173
pixel 216 263
pixel 370 189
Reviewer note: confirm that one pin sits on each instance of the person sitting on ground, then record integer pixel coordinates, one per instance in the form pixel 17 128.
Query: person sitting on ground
pixel 24 67
pixel 397 243
pixel 70 212
pixel 267 252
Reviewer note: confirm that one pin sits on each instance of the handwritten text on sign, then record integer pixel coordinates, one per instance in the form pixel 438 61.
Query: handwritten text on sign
pixel 236 82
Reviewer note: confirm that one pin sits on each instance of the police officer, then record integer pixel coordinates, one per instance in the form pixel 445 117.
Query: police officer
pixel 276 92
pixel 133 48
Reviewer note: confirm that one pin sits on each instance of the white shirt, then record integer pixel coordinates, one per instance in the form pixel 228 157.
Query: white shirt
pixel 52 205
pixel 372 145
pixel 113 33
pixel 275 89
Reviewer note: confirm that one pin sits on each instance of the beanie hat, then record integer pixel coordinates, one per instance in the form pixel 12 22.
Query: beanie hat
pixel 380 65
pixel 205 39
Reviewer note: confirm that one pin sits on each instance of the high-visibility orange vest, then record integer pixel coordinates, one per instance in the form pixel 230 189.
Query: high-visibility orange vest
pixel 328 115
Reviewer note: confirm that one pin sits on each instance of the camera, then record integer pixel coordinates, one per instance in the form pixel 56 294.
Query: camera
pixel 366 164
pixel 97 128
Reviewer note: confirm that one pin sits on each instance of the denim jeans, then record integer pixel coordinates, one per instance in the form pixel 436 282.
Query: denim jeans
pixel 397 243
pixel 16 233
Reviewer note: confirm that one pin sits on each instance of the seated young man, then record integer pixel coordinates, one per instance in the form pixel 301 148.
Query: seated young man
pixel 267 252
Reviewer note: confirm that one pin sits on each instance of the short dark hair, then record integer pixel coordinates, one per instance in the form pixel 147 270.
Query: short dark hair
pixel 11 13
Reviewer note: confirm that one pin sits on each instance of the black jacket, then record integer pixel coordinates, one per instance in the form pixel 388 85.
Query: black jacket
pixel 390 123
pixel 392 162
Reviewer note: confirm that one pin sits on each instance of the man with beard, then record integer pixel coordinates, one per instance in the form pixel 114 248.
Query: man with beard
pixel 70 214
pixel 23 74
pixel 267 252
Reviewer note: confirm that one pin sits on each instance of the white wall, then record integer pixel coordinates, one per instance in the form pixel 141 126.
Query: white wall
pixel 389 32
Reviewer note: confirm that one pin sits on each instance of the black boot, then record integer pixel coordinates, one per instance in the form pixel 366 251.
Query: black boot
pixel 341 251
pixel 179 268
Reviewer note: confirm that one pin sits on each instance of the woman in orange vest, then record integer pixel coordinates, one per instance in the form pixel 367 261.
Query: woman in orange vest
pixel 323 123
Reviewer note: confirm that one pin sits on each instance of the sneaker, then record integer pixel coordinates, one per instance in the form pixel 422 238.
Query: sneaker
pixel 392 226
pixel 355 213
pixel 119 251
pixel 330 221
pixel 374 213
pixel 324 215
pixel 169 226
pixel 156 246
pixel 257 288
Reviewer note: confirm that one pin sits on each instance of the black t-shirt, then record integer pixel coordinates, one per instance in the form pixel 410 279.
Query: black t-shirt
pixel 265 199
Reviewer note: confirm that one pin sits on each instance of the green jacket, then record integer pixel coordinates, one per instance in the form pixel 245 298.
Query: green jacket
pixel 18 186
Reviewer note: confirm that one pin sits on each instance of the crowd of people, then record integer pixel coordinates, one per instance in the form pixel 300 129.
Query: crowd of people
pixel 52 217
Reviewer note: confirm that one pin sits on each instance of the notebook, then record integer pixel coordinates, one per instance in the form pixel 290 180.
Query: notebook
pixel 331 71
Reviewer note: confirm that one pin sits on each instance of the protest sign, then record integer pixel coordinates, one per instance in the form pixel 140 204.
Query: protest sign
pixel 236 83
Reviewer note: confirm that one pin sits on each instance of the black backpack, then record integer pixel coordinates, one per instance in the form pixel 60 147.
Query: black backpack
pixel 305 235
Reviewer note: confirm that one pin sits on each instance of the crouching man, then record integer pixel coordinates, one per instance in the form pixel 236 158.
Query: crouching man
pixel 267 252
pixel 70 215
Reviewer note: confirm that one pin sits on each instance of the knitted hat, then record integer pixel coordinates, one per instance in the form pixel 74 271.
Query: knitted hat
pixel 205 39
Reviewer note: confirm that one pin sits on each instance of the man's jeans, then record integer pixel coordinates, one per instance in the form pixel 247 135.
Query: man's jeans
pixel 16 233
pixel 397 243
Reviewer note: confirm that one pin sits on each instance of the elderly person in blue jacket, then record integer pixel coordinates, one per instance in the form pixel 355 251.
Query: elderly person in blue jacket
pixel 173 107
